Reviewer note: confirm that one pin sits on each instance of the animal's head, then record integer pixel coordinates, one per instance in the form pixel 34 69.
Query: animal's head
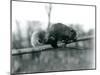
pixel 48 38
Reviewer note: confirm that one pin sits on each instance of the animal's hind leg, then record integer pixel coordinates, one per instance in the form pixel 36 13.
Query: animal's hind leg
pixel 54 45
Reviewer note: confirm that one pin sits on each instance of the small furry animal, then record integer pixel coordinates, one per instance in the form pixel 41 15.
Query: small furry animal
pixel 60 32
pixel 57 32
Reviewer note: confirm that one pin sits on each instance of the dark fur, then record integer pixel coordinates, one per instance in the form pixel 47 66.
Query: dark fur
pixel 60 32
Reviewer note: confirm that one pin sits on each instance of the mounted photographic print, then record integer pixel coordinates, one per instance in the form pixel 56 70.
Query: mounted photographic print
pixel 52 37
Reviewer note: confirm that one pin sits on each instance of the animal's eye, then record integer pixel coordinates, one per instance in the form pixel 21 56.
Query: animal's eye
pixel 39 40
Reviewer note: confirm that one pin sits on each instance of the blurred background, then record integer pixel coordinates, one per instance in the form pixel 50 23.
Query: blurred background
pixel 27 17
